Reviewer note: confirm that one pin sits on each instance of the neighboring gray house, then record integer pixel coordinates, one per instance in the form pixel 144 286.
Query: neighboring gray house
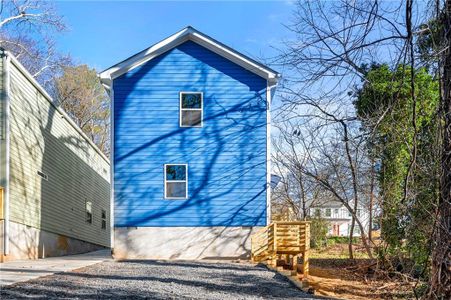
pixel 339 217
pixel 54 181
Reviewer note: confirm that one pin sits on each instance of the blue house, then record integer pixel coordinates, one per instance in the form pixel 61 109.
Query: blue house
pixel 190 149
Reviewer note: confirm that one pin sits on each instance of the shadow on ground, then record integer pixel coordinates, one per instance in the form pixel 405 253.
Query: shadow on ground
pixel 159 280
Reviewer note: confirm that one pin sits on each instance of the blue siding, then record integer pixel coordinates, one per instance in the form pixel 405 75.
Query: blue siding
pixel 226 157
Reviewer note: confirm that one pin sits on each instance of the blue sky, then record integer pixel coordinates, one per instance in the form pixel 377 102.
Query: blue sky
pixel 103 33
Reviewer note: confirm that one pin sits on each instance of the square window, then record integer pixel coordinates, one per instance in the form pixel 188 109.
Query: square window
pixel 317 212
pixel 176 189
pixel 176 181
pixel 191 100
pixel 328 212
pixel 191 109
pixel 191 118
pixel 175 172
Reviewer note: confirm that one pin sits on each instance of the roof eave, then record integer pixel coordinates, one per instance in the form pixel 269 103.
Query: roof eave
pixel 188 33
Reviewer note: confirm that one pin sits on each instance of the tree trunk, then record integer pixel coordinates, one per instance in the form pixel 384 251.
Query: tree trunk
pixel 370 210
pixel 440 287
pixel 356 199
pixel 351 233
pixel 303 197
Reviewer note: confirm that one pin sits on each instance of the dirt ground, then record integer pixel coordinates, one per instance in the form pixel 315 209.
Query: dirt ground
pixel 346 284
pixel 338 277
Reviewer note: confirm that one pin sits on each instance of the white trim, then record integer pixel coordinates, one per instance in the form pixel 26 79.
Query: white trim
pixel 7 88
pixel 33 81
pixel 178 38
pixel 234 56
pixel 111 92
pixel 193 109
pixel 268 153
pixel 185 181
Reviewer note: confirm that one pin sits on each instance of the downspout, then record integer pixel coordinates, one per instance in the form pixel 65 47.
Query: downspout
pixel 268 153
pixel 108 85
pixel 271 85
pixel 6 136
pixel 112 229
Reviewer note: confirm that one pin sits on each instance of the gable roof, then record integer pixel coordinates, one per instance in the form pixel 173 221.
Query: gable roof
pixel 187 34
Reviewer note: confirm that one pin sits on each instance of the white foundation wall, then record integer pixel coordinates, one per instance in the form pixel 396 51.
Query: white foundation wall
pixel 182 242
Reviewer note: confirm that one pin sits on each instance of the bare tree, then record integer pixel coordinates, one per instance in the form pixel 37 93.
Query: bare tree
pixel 324 148
pixel 295 190
pixel 28 29
pixel 326 63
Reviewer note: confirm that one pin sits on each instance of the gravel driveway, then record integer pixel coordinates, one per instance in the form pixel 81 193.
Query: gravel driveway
pixel 159 280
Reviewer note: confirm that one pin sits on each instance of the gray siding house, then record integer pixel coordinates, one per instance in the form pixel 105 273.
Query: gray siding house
pixel 54 182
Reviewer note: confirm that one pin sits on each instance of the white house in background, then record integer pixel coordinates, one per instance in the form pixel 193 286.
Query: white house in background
pixel 339 217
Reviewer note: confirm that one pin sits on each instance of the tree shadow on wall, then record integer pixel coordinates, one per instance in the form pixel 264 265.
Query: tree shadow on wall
pixel 226 157
pixel 54 171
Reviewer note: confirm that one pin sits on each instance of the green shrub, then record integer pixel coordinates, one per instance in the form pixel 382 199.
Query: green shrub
pixel 318 231
pixel 332 240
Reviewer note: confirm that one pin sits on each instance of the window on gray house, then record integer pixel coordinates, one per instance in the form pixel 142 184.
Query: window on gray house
pixel 89 212
pixel 357 230
pixel 103 219
pixel 328 212
pixel 336 211
pixel 43 175
pixel 191 109
pixel 176 181
pixel 317 212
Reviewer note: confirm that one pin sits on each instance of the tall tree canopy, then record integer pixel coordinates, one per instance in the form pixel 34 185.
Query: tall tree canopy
pixel 409 189
pixel 81 95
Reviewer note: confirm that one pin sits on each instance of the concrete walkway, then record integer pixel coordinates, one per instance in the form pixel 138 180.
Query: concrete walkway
pixel 24 270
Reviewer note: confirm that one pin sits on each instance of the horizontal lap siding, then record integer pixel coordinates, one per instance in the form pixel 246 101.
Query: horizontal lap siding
pixel 2 131
pixel 226 157
pixel 42 140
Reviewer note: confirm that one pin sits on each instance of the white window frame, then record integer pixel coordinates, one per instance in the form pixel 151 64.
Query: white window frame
pixel 185 181
pixel 326 214
pixel 193 109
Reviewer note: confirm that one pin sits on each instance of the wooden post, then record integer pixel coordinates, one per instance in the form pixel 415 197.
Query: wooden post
pixel 305 254
pixel 305 264
pixel 275 236
pixel 252 249
pixel 294 265
pixel 274 256
pixel 287 259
